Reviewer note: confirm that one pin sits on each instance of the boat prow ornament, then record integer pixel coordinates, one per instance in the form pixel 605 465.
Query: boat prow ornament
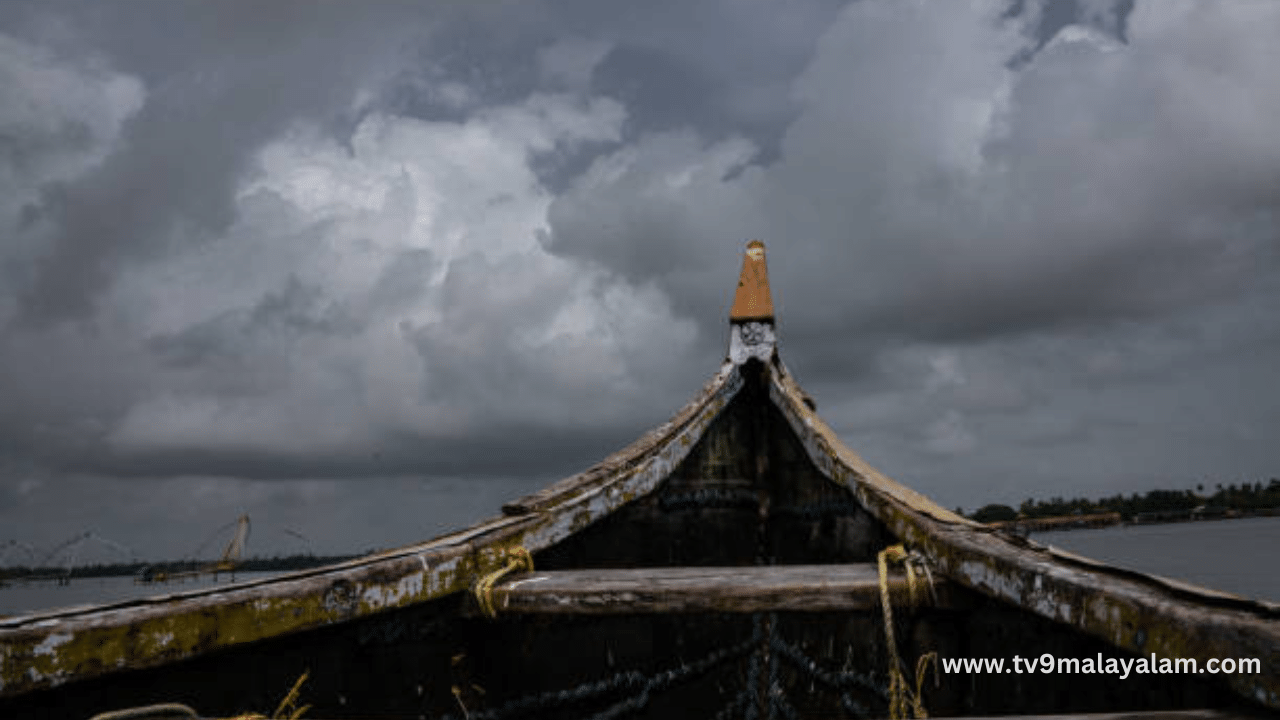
pixel 751 323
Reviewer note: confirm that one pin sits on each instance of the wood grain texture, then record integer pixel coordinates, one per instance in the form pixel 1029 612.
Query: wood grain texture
pixel 788 588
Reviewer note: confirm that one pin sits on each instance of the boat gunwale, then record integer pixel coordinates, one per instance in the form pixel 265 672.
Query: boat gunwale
pixel 1131 610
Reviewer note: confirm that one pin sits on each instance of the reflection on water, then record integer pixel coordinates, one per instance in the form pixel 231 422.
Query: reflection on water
pixel 1237 556
pixel 24 597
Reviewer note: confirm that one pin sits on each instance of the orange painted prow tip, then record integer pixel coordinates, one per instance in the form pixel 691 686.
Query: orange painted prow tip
pixel 752 302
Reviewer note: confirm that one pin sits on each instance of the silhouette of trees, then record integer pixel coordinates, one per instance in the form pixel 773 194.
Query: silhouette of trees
pixel 995 513
pixel 1246 498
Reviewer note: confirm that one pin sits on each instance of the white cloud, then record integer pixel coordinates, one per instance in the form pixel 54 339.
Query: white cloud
pixel 395 286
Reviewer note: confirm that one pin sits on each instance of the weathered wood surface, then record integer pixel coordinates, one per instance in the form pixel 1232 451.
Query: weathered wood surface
pixel 700 411
pixel 802 588
pixel 1133 611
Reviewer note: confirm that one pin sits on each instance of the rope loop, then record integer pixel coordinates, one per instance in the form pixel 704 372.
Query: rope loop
pixel 903 703
pixel 518 559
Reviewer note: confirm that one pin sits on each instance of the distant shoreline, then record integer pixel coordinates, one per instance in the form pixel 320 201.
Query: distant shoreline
pixel 170 568
pixel 1250 499
pixel 1024 526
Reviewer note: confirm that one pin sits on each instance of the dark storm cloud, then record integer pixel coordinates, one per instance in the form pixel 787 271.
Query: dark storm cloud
pixel 488 454
pixel 297 257
pixel 211 291
pixel 1026 215
pixel 963 198
pixel 221 79
pixel 716 67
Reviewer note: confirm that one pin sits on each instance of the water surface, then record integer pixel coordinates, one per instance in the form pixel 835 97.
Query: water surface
pixel 18 598
pixel 1237 556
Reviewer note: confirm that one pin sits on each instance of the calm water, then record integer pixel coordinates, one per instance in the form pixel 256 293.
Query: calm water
pixel 1238 556
pixel 18 598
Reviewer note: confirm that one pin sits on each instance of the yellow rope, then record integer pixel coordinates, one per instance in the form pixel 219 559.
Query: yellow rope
pixel 902 702
pixel 169 710
pixel 483 589
pixel 287 709
pixel 911 583
pixel 922 666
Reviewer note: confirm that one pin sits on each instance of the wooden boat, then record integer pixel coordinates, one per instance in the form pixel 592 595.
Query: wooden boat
pixel 737 561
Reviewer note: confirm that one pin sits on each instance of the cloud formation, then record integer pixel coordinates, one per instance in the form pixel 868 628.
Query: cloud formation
pixel 977 198
pixel 1017 248
pixel 1073 213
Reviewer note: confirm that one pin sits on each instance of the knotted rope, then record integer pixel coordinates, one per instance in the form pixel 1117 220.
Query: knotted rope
pixel 483 589
pixel 901 699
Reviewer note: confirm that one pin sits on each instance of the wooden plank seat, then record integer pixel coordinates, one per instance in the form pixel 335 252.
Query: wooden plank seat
pixel 804 588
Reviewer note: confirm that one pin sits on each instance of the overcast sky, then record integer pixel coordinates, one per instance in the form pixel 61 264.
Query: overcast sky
pixel 367 270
